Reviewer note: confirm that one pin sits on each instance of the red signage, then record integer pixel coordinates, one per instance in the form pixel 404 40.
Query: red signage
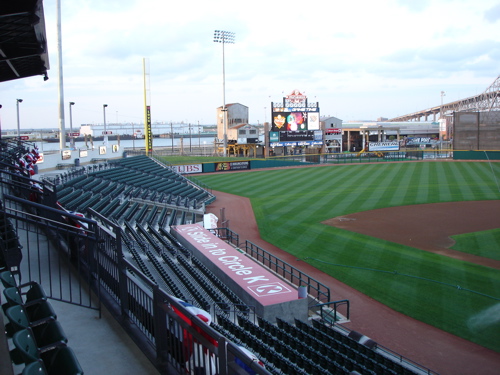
pixel 333 131
pixel 24 137
pixel 254 279
pixel 296 97
pixel 107 132
pixel 74 134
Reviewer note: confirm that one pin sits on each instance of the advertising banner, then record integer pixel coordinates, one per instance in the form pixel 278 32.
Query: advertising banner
pixel 188 169
pixel 66 154
pixel 305 135
pixel 274 136
pixel 232 166
pixel 383 146
pixel 411 141
pixel 148 131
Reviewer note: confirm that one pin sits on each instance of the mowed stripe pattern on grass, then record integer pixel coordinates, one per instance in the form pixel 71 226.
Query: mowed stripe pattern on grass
pixel 290 205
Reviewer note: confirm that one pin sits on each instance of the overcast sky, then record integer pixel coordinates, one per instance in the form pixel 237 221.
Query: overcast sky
pixel 360 60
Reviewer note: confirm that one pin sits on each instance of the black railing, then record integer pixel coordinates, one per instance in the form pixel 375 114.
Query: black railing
pixel 314 288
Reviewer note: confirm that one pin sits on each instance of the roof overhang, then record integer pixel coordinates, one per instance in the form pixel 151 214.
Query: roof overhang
pixel 23 41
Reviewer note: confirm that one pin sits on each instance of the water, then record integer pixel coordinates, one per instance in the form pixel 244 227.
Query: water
pixel 137 143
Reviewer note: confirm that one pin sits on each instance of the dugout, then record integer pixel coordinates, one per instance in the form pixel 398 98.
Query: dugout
pixel 256 286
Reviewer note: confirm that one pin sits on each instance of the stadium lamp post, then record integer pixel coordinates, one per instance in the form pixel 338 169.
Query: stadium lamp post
pixel 18 123
pixel 190 139
pixel 172 136
pixel 224 37
pixel 105 131
pixel 441 120
pixel 72 139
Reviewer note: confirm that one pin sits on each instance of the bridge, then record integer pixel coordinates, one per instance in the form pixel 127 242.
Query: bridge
pixel 489 100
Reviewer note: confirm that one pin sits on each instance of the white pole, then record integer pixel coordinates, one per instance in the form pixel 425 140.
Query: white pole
pixel 105 131
pixel 18 122
pixel 224 109
pixel 62 129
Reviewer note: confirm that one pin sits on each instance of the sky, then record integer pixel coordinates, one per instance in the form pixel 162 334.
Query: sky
pixel 360 60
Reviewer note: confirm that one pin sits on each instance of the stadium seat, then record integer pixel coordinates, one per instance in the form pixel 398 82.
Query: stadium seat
pixel 26 346
pixel 34 368
pixel 13 296
pixel 8 279
pixel 49 335
pixel 18 319
pixel 62 361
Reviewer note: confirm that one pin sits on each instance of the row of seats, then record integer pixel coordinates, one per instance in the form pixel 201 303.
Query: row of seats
pixel 38 339
pixel 176 265
pixel 10 248
pixel 277 352
pixel 362 353
pixel 163 180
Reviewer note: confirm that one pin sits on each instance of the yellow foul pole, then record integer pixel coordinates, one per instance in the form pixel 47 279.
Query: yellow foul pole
pixel 148 135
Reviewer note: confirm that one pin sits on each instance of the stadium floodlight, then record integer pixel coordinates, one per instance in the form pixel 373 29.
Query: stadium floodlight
pixel 224 37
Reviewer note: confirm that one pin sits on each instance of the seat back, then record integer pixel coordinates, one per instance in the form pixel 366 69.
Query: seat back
pixel 7 279
pixel 34 368
pixel 49 335
pixel 35 293
pixel 25 343
pixel 64 361
pixel 40 311
pixel 12 296
pixel 18 319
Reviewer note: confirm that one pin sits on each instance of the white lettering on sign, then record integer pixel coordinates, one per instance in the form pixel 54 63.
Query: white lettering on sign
pixel 254 278
pixel 189 168
pixel 269 289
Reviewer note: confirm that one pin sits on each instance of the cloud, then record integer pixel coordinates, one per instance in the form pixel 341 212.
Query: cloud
pixel 493 14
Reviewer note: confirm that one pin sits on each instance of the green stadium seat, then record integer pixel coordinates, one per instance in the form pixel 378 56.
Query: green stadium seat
pixel 18 319
pixel 26 347
pixel 8 279
pixel 34 368
pixel 13 296
pixel 62 361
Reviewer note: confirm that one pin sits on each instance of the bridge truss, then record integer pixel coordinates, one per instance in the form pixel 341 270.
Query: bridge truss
pixel 489 100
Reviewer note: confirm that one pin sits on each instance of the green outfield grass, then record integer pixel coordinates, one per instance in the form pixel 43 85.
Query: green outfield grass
pixel 485 244
pixel 290 204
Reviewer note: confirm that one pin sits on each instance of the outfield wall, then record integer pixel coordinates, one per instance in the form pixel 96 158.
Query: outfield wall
pixel 476 155
pixel 257 286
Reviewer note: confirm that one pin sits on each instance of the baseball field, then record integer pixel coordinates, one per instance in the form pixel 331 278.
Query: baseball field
pixel 397 232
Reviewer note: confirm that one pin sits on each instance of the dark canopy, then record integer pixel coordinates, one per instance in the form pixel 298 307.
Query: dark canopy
pixel 23 42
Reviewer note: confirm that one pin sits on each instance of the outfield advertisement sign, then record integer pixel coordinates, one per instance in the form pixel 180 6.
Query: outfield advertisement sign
pixel 188 168
pixel 232 166
pixel 383 146
pixel 413 141
pixel 293 144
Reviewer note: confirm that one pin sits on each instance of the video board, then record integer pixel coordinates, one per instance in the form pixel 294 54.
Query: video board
pixel 295 119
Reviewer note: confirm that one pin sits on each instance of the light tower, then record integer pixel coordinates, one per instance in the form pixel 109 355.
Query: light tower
pixel 224 37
